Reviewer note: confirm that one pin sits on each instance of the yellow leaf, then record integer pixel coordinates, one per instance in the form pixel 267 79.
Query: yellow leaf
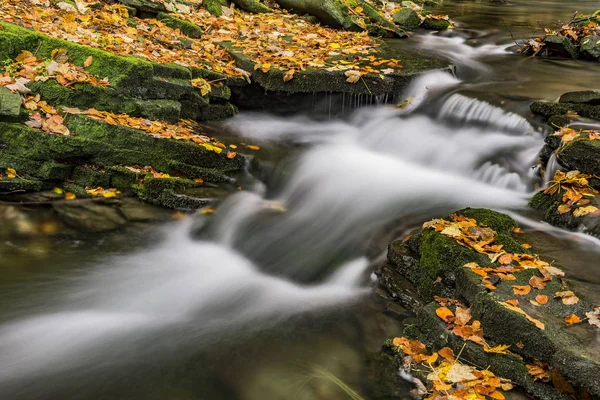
pixel 108 194
pixel 57 190
pixel 203 85
pixel 358 10
pixel 11 173
pixel 334 45
pixel 581 211
pixel 289 75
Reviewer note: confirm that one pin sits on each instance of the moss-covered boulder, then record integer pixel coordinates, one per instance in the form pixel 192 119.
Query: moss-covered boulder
pixel 548 109
pixel 460 257
pixel 407 17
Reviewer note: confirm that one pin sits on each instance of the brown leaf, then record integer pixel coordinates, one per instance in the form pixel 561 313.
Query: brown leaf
pixel 88 61
pixel 537 282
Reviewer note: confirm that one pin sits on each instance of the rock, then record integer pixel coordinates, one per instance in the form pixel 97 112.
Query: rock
pixel 407 17
pixel 582 155
pixel 134 210
pixel 560 46
pixel 549 108
pixel 581 97
pixel 429 256
pixel 435 24
pixel 90 216
pixel 558 121
pixel 590 47
pixel 10 103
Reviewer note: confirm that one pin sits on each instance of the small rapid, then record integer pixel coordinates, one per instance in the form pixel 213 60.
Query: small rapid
pixel 263 258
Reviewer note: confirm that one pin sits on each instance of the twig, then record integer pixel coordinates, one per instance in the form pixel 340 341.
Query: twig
pixel 511 34
pixel 363 81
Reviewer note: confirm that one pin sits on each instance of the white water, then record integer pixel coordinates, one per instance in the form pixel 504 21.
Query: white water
pixel 354 177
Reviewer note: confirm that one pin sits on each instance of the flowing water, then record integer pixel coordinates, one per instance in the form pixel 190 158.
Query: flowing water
pixel 270 297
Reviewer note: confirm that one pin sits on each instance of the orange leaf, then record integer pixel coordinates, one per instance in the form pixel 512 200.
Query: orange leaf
pixel 514 302
pixel 521 290
pixel 541 298
pixel 537 282
pixel 526 245
pixel 447 353
pixel 445 314
pixel 572 319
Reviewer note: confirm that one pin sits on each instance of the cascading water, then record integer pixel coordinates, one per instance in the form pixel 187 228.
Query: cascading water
pixel 353 177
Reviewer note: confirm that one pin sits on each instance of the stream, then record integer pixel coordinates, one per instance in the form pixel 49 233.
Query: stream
pixel 271 296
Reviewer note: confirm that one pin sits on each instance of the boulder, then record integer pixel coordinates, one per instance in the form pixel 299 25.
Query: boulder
pixel 560 46
pixel 435 24
pixel 407 17
pixel 581 97
pixel 590 47
pixel 434 263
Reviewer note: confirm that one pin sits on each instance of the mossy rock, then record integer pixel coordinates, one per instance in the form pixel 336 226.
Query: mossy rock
pixel 590 48
pixel 435 24
pixel 581 97
pixel 548 205
pixel 582 155
pixel 407 17
pixel 187 28
pixel 85 96
pixel 560 46
pixel 322 81
pixel 428 255
pixel 19 185
pixel 10 103
pixel 548 109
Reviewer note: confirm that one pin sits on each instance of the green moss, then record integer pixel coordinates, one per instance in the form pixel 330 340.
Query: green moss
pixel 214 7
pixel 500 223
pixel 435 24
pixel 91 178
pixel 85 96
pixel 215 112
pixel 20 185
pixel 123 72
pixel 253 6
pixel 186 27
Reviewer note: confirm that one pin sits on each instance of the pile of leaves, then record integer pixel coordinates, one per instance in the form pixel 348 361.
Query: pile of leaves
pixel 579 29
pixel 567 135
pixel 461 323
pixel 577 195
pixel 45 117
pixel 101 192
pixel 10 173
pixel 272 40
pixel 27 67
pixel 450 378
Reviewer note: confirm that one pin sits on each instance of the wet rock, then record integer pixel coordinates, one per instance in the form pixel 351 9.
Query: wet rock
pixel 20 185
pixel 428 257
pixel 558 121
pixel 90 216
pixel 134 210
pixel 436 24
pixel 582 155
pixel 590 48
pixel 581 97
pixel 548 109
pixel 561 46
pixel 10 103
pixel 407 17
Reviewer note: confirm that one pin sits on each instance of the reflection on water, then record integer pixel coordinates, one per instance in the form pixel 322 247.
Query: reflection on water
pixel 270 296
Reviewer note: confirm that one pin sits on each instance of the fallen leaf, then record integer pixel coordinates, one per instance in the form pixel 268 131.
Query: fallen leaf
pixel 541 298
pixel 537 282
pixel 70 196
pixel 521 290
pixel 88 61
pixel 445 314
pixel 572 319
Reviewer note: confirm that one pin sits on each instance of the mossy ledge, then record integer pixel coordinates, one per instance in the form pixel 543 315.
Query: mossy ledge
pixel 94 153
pixel 428 257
